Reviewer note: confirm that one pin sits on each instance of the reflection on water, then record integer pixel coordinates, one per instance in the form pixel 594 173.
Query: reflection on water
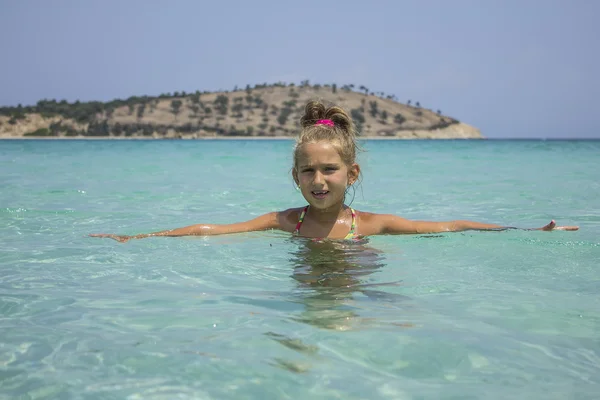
pixel 330 274
pixel 334 278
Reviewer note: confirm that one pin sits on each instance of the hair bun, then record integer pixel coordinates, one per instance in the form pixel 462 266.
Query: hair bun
pixel 315 111
pixel 341 119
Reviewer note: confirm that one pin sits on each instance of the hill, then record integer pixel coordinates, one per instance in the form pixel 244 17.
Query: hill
pixel 259 111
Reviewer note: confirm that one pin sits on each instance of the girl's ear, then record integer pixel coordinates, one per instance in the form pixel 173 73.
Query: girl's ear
pixel 295 176
pixel 353 173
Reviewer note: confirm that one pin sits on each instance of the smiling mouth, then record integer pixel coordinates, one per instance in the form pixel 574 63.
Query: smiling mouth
pixel 319 194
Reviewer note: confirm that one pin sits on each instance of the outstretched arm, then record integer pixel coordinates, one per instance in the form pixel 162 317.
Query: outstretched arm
pixel 264 222
pixel 394 225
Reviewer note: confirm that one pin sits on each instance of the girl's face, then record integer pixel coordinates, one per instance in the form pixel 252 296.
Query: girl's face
pixel 322 175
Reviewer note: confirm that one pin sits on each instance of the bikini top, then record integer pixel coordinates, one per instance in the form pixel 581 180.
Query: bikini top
pixel 351 235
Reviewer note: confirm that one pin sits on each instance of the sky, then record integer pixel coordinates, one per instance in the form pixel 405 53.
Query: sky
pixel 513 69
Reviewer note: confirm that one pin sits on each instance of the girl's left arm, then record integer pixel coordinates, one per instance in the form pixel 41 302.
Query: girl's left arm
pixel 394 225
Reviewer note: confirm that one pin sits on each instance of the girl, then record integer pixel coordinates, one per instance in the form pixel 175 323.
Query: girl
pixel 324 169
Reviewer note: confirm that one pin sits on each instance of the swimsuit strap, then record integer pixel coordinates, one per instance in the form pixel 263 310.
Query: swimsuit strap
pixel 351 235
pixel 300 220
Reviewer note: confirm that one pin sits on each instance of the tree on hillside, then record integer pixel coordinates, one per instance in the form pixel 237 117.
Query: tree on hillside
pixel 399 119
pixel 98 129
pixel 195 98
pixel 283 115
pixel 384 116
pixel 237 109
pixel 258 102
pixel 357 116
pixel 221 103
pixel 176 107
pixel 140 111
pixel 373 108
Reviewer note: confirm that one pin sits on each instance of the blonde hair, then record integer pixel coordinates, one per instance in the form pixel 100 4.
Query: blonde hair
pixel 341 135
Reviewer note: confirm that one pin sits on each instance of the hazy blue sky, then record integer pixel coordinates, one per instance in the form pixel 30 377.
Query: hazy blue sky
pixel 511 68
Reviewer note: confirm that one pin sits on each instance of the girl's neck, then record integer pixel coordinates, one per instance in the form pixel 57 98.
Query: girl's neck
pixel 327 215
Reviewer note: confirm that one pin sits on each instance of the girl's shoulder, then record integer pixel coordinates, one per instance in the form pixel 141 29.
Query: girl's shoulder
pixel 292 212
pixel 366 217
pixel 288 219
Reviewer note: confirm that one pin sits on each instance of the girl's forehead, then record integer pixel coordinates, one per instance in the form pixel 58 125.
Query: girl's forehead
pixel 318 149
pixel 320 152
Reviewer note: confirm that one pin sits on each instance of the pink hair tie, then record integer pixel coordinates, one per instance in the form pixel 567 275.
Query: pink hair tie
pixel 327 122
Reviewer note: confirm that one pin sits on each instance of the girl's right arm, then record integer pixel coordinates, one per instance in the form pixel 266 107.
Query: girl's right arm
pixel 264 222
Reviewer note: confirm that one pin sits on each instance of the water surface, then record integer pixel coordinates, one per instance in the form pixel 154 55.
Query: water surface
pixel 264 315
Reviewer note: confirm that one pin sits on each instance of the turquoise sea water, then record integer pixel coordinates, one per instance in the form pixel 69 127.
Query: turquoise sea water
pixel 476 315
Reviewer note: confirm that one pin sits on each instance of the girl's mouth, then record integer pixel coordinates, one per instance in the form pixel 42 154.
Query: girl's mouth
pixel 320 194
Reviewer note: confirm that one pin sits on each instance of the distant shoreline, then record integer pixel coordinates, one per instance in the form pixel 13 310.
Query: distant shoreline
pixel 262 112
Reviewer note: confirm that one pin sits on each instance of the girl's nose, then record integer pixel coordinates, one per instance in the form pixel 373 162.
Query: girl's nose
pixel 318 178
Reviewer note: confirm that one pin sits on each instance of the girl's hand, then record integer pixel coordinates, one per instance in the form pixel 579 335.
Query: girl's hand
pixel 118 238
pixel 552 227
